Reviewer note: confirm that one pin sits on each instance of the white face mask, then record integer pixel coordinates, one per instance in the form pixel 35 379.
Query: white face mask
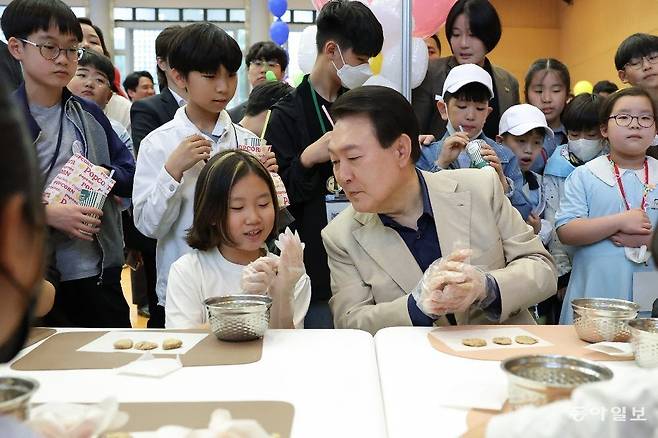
pixel 585 149
pixel 352 76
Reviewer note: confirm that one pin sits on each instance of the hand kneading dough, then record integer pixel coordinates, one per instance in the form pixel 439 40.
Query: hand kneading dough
pixel 145 345
pixel 123 344
pixel 171 344
pixel 474 342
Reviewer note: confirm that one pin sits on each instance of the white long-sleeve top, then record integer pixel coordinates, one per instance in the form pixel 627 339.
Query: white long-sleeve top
pixel 621 408
pixel 162 206
pixel 204 274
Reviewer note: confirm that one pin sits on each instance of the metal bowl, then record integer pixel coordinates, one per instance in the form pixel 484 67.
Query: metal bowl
pixel 645 341
pixel 239 317
pixel 541 379
pixel 603 319
pixel 15 394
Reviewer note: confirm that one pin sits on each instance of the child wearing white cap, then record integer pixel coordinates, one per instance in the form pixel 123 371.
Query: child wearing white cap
pixel 464 104
pixel 523 129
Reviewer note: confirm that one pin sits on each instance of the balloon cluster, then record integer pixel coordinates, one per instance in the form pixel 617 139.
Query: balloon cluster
pixel 428 17
pixel 279 30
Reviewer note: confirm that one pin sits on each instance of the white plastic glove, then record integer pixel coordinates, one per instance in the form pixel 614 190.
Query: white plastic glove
pixel 450 285
pixel 291 263
pixel 258 276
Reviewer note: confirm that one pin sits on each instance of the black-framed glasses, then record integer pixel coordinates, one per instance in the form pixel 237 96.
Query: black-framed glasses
pixel 625 120
pixel 637 63
pixel 50 51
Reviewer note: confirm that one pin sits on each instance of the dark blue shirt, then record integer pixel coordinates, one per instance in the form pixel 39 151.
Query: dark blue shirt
pixel 423 243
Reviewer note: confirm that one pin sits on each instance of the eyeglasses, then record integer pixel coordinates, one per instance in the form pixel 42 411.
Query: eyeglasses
pixel 625 120
pixel 51 52
pixel 637 63
pixel 261 63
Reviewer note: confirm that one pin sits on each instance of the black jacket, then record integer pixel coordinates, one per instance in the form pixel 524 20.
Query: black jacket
pixel 289 135
pixel 237 113
pixel 10 68
pixel 146 115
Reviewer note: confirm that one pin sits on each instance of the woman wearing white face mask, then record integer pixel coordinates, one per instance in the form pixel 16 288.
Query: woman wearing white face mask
pixel 473 30
pixel 299 131
pixel 581 120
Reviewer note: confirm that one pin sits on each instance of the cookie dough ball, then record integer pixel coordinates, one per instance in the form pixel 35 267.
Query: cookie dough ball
pixel 145 345
pixel 502 340
pixel 123 344
pixel 171 344
pixel 525 340
pixel 474 342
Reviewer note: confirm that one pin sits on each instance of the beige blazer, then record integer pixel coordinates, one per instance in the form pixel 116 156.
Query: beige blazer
pixel 373 271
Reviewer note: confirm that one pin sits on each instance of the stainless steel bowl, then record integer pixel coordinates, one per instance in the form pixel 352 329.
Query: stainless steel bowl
pixel 15 394
pixel 644 333
pixel 603 319
pixel 541 379
pixel 239 317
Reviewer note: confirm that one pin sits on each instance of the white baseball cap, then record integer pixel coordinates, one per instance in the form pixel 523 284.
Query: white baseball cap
pixel 519 119
pixel 466 74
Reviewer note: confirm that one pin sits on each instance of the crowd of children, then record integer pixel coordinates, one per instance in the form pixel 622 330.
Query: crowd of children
pixel 579 170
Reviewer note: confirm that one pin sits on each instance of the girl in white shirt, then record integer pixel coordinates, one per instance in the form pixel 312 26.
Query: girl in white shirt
pixel 235 212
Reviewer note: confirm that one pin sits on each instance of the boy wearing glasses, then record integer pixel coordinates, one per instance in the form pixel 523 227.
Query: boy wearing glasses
pixel 87 253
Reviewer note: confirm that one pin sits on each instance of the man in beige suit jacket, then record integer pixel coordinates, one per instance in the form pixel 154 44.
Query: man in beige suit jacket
pixel 373 269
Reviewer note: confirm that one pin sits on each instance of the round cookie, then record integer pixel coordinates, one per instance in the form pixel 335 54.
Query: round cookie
pixel 171 344
pixel 525 340
pixel 502 340
pixel 474 342
pixel 123 344
pixel 145 345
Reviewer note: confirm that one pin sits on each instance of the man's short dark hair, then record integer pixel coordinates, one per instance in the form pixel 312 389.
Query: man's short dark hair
pixel 482 18
pixel 635 46
pixel 100 62
pixel 99 32
pixel 267 51
pixel 471 92
pixel 265 95
pixel 132 80
pixel 352 25
pixel 605 87
pixel 582 112
pixel 204 47
pixel 389 112
pixel 24 17
pixel 162 43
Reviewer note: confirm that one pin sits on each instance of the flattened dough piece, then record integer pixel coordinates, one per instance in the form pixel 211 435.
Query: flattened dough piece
pixel 145 345
pixel 171 344
pixel 525 340
pixel 123 344
pixel 474 342
pixel 502 340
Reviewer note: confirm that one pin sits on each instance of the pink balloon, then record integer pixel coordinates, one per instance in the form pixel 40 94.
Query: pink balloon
pixel 317 4
pixel 429 16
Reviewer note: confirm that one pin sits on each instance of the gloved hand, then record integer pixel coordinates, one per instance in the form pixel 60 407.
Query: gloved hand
pixel 450 284
pixel 258 276
pixel 291 264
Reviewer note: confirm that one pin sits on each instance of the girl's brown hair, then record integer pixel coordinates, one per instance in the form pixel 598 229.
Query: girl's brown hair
pixel 212 197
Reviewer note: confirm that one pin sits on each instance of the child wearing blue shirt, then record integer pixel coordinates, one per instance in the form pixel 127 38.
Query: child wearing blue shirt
pixel 465 106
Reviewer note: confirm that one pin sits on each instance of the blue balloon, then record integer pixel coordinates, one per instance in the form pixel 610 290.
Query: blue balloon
pixel 279 32
pixel 278 7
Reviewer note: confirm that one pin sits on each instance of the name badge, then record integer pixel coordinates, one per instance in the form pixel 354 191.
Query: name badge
pixel 335 204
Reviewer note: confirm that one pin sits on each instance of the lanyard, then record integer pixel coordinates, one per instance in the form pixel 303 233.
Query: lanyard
pixel 59 143
pixel 643 205
pixel 317 108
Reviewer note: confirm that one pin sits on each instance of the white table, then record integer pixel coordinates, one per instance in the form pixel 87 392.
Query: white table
pixel 418 382
pixel 330 376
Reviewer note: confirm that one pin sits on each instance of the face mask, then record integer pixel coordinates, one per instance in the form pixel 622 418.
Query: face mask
pixel 16 340
pixel 352 76
pixel 585 149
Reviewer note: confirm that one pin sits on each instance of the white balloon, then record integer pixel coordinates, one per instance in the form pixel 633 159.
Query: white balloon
pixel 307 51
pixel 392 63
pixel 388 13
pixel 381 80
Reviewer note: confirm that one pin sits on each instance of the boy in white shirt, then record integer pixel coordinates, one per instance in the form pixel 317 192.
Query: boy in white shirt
pixel 204 61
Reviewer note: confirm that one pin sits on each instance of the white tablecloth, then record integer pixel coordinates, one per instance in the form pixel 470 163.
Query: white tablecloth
pixel 418 382
pixel 330 376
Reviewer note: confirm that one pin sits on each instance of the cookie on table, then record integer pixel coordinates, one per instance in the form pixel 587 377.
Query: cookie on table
pixel 145 345
pixel 525 340
pixel 123 344
pixel 171 344
pixel 502 340
pixel 474 342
